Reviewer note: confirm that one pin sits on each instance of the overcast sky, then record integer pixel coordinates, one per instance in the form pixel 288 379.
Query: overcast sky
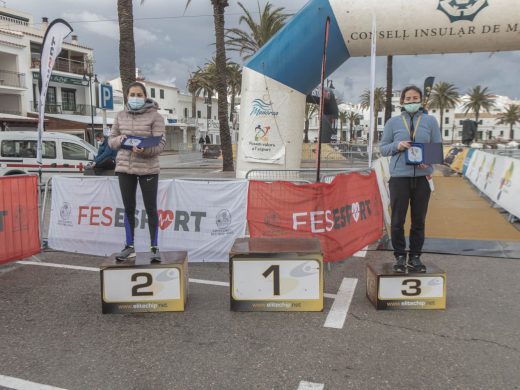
pixel 170 45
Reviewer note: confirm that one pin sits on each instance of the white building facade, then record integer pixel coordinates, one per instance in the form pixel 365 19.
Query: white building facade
pixel 68 105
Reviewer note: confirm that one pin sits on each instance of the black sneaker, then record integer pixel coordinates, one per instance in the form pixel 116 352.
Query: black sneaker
pixel 155 256
pixel 127 253
pixel 415 264
pixel 400 264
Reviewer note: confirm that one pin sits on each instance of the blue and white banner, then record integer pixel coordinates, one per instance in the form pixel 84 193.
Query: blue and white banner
pixel 201 217
pixel 498 177
pixel 57 31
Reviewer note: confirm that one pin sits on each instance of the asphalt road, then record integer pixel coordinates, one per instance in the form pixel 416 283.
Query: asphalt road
pixel 52 332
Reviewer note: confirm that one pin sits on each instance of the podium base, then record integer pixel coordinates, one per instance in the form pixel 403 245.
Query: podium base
pixel 137 285
pixel 388 290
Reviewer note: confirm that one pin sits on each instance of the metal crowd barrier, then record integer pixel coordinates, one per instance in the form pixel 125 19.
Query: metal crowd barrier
pixel 304 175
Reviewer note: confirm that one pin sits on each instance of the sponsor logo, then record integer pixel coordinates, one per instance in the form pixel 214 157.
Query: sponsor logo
pixel 321 221
pixel 107 216
pixel 223 222
pixel 165 219
pixel 305 269
pixel 262 108
pixel 457 10
pixel 65 215
pixel 505 182
pixel 261 133
pixel 223 219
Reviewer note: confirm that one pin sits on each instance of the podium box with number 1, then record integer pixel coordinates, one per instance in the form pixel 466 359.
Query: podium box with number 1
pixel 136 286
pixel 276 274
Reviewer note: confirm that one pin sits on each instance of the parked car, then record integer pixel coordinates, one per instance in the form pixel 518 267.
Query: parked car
pixel 211 151
pixel 61 153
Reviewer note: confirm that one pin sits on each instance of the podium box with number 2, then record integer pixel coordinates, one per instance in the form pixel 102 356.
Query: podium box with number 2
pixel 274 274
pixel 388 290
pixel 140 286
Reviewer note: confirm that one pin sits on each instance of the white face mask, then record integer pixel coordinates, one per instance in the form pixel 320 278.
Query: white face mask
pixel 412 108
pixel 135 103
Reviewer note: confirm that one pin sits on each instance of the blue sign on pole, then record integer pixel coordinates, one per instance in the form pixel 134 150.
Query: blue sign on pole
pixel 106 97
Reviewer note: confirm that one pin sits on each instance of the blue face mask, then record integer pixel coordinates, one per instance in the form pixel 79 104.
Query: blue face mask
pixel 412 108
pixel 135 103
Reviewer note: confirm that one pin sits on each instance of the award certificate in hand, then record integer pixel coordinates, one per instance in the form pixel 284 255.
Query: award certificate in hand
pixel 414 154
pixel 140 142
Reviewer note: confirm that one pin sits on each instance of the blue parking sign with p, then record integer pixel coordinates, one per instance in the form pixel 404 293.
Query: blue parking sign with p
pixel 106 97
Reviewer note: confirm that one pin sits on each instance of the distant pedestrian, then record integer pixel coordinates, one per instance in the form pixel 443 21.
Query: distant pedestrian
pixel 208 140
pixel 201 143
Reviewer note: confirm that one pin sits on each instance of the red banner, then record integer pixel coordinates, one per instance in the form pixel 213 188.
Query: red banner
pixel 19 229
pixel 345 215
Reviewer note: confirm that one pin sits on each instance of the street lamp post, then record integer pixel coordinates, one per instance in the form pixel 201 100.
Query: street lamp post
pixel 87 80
pixel 208 113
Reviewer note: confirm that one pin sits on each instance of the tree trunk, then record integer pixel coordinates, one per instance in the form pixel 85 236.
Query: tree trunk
pixel 351 132
pixel 476 125
pixel 306 132
pixel 193 105
pixel 389 87
pixel 375 135
pixel 225 136
pixel 511 133
pixel 442 119
pixel 126 43
pixel 232 108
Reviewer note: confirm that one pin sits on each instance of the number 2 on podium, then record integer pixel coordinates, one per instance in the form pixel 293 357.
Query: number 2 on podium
pixel 147 283
pixel 275 270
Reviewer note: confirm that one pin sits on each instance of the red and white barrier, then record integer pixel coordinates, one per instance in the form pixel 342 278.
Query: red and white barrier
pixel 19 229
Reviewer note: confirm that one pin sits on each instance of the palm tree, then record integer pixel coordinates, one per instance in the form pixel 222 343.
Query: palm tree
pixel 479 99
pixel 234 74
pixel 379 105
pixel 219 7
pixel 510 117
pixel 126 43
pixel 353 118
pixel 247 43
pixel 310 110
pixel 389 87
pixel 194 86
pixel 444 96
pixel 342 117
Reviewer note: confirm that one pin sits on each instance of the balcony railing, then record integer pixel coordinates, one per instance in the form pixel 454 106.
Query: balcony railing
pixel 76 109
pixel 85 109
pixel 63 65
pixel 12 79
pixel 50 108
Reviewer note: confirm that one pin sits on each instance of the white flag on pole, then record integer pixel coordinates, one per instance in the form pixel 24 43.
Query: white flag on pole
pixel 51 48
pixel 373 123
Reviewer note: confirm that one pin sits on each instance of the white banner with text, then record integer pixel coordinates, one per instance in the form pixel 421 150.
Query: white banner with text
pixel 201 217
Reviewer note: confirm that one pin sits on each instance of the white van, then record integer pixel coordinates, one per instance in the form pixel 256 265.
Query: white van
pixel 61 153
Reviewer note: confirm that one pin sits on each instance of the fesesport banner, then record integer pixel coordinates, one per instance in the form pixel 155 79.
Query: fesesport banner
pixel 19 230
pixel 203 218
pixel 346 215
pixel 498 177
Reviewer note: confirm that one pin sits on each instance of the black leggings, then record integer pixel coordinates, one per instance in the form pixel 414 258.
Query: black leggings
pixel 149 185
pixel 413 192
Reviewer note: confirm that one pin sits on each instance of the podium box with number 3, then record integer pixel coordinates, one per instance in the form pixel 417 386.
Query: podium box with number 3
pixel 140 286
pixel 388 290
pixel 274 274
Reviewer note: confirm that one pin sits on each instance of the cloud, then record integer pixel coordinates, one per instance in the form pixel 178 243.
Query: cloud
pixel 101 25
